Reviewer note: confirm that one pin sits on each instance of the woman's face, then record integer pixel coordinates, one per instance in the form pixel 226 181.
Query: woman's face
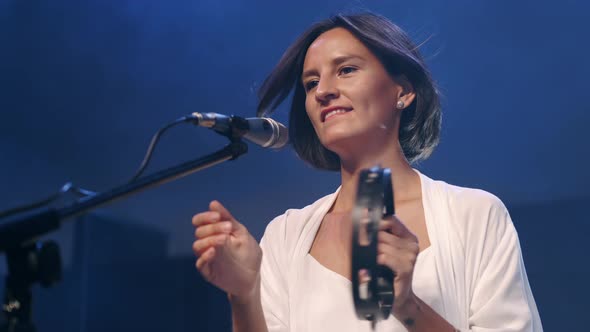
pixel 350 97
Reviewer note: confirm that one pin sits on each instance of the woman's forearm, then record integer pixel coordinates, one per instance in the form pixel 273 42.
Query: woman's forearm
pixel 418 316
pixel 247 314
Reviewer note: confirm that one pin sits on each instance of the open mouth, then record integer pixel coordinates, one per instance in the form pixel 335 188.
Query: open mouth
pixel 327 114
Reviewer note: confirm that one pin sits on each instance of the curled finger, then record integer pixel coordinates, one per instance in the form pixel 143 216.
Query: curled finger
pixel 212 229
pixel 204 218
pixel 395 226
pixel 203 263
pixel 200 246
pixel 388 238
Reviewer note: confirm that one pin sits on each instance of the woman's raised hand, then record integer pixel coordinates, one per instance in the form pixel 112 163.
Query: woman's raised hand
pixel 228 256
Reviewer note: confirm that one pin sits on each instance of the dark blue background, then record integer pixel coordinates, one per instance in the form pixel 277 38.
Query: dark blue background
pixel 84 85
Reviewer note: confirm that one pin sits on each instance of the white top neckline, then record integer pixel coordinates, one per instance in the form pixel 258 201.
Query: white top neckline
pixel 422 256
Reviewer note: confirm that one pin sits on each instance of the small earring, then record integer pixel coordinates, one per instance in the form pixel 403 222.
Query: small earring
pixel 400 105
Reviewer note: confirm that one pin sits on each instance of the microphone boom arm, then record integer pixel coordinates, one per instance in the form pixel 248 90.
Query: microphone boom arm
pixel 22 230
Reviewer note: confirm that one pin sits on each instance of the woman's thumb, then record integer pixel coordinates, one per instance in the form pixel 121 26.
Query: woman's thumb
pixel 223 212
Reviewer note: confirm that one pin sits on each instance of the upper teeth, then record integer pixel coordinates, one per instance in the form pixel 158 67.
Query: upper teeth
pixel 334 112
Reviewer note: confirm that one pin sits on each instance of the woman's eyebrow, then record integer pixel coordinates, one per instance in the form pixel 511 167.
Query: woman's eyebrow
pixel 336 61
pixel 309 72
pixel 343 58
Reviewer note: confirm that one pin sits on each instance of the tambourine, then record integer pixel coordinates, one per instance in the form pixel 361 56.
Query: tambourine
pixel 372 284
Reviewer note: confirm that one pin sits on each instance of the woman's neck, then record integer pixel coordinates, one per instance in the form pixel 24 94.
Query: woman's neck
pixel 406 182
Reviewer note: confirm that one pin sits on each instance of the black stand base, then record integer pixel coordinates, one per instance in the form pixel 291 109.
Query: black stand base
pixel 27 265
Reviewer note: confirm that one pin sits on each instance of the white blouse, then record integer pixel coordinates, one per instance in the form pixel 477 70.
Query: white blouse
pixel 472 274
pixel 329 305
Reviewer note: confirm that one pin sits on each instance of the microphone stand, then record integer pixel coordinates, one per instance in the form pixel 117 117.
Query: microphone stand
pixel 27 263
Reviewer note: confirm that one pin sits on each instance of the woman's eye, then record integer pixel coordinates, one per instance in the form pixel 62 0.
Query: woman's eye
pixel 347 70
pixel 310 85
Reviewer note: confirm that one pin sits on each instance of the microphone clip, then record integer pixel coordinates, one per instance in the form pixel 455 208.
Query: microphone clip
pixel 232 127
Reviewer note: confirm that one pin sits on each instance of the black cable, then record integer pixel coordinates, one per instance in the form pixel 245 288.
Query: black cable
pixel 68 187
pixel 154 141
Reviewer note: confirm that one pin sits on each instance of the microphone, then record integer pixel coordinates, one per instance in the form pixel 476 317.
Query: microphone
pixel 265 132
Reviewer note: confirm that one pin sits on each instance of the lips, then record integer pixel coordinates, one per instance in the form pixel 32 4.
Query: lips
pixel 333 111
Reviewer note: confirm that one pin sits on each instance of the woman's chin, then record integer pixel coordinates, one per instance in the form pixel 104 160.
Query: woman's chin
pixel 348 146
pixel 341 145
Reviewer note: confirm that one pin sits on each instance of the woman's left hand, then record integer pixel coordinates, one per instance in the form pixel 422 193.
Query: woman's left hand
pixel 398 249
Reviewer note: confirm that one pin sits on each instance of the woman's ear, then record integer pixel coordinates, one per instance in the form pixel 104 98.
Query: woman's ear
pixel 405 95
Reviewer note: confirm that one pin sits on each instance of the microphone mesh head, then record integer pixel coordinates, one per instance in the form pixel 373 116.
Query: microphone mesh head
pixel 282 138
pixel 280 134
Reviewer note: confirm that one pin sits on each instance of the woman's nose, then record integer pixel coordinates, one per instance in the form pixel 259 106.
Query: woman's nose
pixel 326 91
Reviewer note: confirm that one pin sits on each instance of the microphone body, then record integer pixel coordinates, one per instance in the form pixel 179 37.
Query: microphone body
pixel 265 132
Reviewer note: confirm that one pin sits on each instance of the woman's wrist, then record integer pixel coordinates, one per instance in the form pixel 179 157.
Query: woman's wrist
pixel 241 300
pixel 408 309
pixel 418 316
pixel 246 298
